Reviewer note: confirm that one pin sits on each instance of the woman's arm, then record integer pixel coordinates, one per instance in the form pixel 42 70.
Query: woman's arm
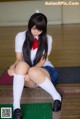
pixel 12 67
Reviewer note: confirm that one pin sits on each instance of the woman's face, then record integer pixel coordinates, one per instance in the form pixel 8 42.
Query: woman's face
pixel 35 32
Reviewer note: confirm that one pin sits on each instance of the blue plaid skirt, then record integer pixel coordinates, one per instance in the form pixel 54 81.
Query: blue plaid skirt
pixel 53 74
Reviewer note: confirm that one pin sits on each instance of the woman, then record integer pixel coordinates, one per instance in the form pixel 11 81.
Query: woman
pixel 32 67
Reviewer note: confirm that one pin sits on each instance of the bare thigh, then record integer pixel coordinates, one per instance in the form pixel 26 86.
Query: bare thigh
pixel 45 72
pixel 22 69
pixel 28 82
pixel 38 74
pixel 32 84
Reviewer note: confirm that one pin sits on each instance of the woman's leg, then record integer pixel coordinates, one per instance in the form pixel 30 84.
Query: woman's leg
pixel 18 83
pixel 41 77
pixel 29 83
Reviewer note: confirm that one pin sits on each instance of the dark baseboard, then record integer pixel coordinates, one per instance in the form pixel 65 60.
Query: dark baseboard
pixel 69 75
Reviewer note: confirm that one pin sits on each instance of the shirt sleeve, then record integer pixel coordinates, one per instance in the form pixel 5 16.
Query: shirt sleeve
pixel 49 44
pixel 18 43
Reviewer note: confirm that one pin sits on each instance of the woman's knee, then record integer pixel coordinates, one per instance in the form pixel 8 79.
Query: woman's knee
pixel 35 72
pixel 21 68
pixel 32 71
pixel 36 75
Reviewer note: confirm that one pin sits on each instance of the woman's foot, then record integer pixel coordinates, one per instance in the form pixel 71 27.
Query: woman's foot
pixel 57 105
pixel 17 114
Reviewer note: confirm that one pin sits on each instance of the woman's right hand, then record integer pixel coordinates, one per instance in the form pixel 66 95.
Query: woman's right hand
pixel 12 67
pixel 11 71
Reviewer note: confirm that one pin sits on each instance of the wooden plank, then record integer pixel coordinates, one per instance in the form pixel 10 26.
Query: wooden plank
pixel 71 106
pixel 66 41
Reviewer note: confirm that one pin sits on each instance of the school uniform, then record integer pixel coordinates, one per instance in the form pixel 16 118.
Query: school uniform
pixel 19 41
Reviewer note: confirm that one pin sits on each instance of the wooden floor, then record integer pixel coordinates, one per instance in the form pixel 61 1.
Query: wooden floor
pixel 66 45
pixel 71 106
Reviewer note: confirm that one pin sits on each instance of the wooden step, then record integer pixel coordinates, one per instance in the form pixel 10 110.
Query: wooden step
pixel 69 91
pixel 68 88
pixel 71 106
pixel 62 88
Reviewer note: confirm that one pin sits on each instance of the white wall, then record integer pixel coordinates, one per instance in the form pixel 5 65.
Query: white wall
pixel 18 13
pixel 71 13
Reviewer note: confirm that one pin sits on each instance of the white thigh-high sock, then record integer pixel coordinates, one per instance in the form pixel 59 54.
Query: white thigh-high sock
pixel 18 84
pixel 49 87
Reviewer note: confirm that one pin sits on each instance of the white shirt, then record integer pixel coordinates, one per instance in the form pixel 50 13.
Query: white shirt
pixel 19 40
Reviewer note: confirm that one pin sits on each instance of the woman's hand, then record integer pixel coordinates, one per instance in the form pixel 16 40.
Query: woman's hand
pixel 41 62
pixel 11 70
pixel 12 67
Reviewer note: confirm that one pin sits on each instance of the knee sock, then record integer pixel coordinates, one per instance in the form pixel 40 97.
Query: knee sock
pixel 18 84
pixel 49 87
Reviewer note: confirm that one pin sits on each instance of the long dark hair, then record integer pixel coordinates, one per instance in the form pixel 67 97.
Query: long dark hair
pixel 38 20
